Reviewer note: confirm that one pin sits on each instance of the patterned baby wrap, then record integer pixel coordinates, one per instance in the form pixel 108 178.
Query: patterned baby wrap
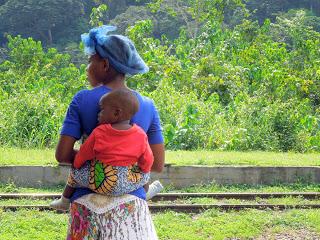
pixel 108 180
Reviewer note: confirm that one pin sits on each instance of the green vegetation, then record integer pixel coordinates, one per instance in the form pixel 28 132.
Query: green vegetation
pixel 26 201
pixel 222 225
pixel 297 187
pixel 247 87
pixel 19 17
pixel 213 224
pixel 222 158
pixel 28 157
pixel 225 81
pixel 12 188
pixel 36 87
pixel 25 225
pixel 284 200
pixel 32 157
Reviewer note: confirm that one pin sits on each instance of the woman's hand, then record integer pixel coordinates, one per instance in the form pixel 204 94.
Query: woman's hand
pixel 64 151
pixel 159 157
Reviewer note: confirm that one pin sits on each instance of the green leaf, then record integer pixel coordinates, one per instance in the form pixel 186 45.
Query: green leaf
pixel 98 174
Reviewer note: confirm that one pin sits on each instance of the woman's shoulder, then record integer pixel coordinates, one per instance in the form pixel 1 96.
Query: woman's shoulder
pixel 81 93
pixel 144 99
pixel 93 91
pixel 92 94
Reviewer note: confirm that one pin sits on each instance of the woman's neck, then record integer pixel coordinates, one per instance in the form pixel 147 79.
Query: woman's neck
pixel 117 82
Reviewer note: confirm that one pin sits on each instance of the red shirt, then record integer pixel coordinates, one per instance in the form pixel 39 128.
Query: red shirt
pixel 116 147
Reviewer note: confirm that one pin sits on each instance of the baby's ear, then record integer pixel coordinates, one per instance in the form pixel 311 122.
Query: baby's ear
pixel 117 112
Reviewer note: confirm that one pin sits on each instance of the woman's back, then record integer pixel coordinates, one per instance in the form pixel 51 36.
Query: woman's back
pixel 82 115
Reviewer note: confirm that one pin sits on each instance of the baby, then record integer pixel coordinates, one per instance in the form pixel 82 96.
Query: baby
pixel 114 142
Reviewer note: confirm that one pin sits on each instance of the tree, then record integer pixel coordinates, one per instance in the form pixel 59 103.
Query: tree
pixel 40 19
pixel 263 9
pixel 129 17
pixel 163 22
pixel 194 13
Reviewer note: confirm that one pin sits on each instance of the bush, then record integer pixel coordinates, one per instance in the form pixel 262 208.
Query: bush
pixel 220 89
pixel 35 89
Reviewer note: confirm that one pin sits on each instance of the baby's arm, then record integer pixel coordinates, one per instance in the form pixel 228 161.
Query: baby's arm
pixel 146 160
pixel 86 151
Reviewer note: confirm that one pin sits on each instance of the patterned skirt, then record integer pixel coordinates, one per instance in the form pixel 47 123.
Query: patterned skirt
pixel 98 217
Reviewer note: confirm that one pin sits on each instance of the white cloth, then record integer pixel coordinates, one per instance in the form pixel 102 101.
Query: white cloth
pixel 100 203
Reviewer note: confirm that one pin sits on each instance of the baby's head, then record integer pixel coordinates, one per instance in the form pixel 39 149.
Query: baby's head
pixel 117 106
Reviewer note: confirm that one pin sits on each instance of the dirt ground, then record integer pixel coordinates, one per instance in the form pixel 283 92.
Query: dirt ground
pixel 294 234
pixel 291 234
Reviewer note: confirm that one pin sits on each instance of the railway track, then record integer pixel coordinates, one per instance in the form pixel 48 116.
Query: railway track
pixel 175 196
pixel 155 206
pixel 187 208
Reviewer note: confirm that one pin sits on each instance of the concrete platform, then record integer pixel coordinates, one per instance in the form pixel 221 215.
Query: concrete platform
pixel 183 176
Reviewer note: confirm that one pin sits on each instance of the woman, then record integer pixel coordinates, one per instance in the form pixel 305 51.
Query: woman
pixel 93 216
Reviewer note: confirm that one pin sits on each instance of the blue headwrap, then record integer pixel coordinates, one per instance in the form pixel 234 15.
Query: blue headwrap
pixel 118 49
